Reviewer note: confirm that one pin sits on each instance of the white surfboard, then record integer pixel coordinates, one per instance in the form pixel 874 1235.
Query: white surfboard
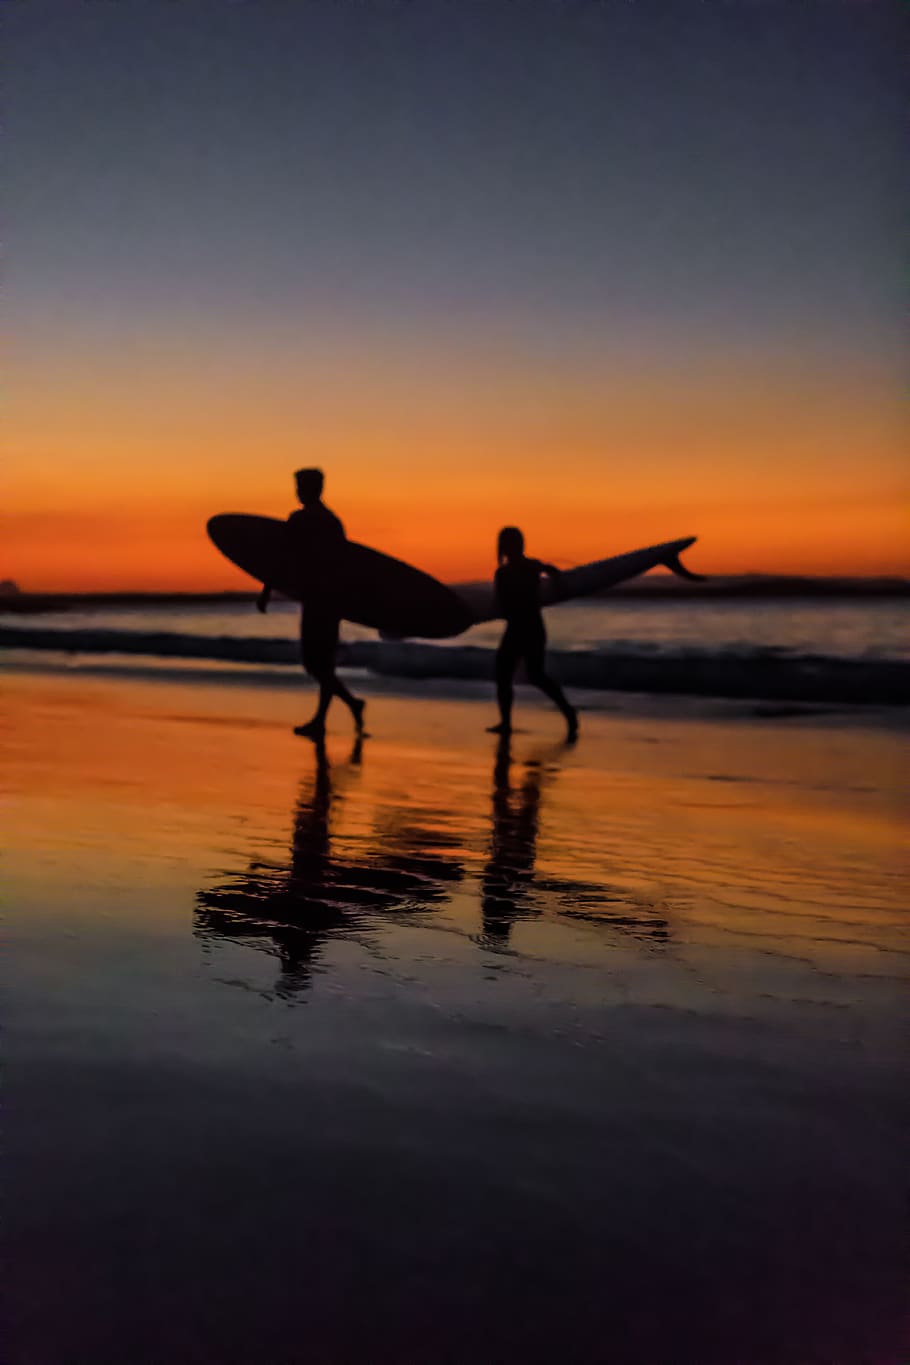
pixel 480 598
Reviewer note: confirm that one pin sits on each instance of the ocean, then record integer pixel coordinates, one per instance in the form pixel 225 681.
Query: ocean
pixel 810 650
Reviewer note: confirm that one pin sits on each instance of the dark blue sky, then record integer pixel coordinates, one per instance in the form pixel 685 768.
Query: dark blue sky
pixel 705 170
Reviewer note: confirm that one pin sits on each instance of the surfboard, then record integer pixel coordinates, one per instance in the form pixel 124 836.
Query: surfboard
pixel 480 598
pixel 371 589
pixel 386 594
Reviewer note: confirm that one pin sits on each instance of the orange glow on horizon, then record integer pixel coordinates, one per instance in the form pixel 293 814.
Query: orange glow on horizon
pixel 110 480
pixel 56 552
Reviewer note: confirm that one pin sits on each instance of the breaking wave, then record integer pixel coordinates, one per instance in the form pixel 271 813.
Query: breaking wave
pixel 733 671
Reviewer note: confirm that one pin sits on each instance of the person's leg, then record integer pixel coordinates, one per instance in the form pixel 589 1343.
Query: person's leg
pixel 538 677
pixel 318 641
pixel 551 688
pixel 506 660
pixel 320 646
pixel 315 727
pixel 326 680
pixel 332 628
pixel 355 705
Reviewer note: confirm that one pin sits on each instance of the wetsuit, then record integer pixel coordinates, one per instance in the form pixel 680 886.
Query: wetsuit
pixel 314 537
pixel 517 586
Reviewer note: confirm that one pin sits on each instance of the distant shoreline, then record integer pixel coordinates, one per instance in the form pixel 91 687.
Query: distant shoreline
pixel 766 587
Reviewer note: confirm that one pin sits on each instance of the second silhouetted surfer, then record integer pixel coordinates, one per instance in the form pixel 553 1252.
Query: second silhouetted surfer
pixel 517 584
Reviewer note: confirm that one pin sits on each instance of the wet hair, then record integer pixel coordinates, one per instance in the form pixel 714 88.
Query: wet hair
pixel 511 542
pixel 309 482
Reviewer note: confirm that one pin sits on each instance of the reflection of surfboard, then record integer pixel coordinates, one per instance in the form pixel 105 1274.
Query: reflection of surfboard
pixel 371 589
pixel 586 579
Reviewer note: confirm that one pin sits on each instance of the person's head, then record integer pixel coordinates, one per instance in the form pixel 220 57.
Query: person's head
pixel 511 544
pixel 309 485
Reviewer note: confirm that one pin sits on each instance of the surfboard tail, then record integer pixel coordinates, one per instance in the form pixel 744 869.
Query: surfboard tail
pixel 675 565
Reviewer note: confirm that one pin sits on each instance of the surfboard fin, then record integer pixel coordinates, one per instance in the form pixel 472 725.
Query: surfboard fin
pixel 675 565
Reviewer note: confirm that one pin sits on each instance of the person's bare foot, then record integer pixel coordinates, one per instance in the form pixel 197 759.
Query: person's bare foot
pixel 572 723
pixel 503 728
pixel 314 729
pixel 357 710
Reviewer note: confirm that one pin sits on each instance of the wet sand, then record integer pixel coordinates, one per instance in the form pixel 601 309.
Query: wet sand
pixel 442 1051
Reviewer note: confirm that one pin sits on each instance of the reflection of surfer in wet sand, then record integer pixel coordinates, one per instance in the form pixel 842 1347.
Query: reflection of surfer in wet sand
pixel 517 585
pixel 512 887
pixel 297 906
pixel 314 535
pixel 513 847
pixel 329 888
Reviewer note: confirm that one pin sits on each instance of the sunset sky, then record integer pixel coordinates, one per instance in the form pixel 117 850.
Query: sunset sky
pixel 617 272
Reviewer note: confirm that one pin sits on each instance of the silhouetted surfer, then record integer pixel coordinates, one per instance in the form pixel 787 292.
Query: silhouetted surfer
pixel 517 585
pixel 314 536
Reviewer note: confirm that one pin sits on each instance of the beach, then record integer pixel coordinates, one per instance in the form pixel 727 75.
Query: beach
pixel 437 1049
pixel 425 348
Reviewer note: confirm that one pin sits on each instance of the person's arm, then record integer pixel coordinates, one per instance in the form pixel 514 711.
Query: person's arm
pixel 554 579
pixel 497 592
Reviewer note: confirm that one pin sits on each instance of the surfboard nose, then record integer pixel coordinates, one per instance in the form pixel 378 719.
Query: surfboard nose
pixel 215 524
